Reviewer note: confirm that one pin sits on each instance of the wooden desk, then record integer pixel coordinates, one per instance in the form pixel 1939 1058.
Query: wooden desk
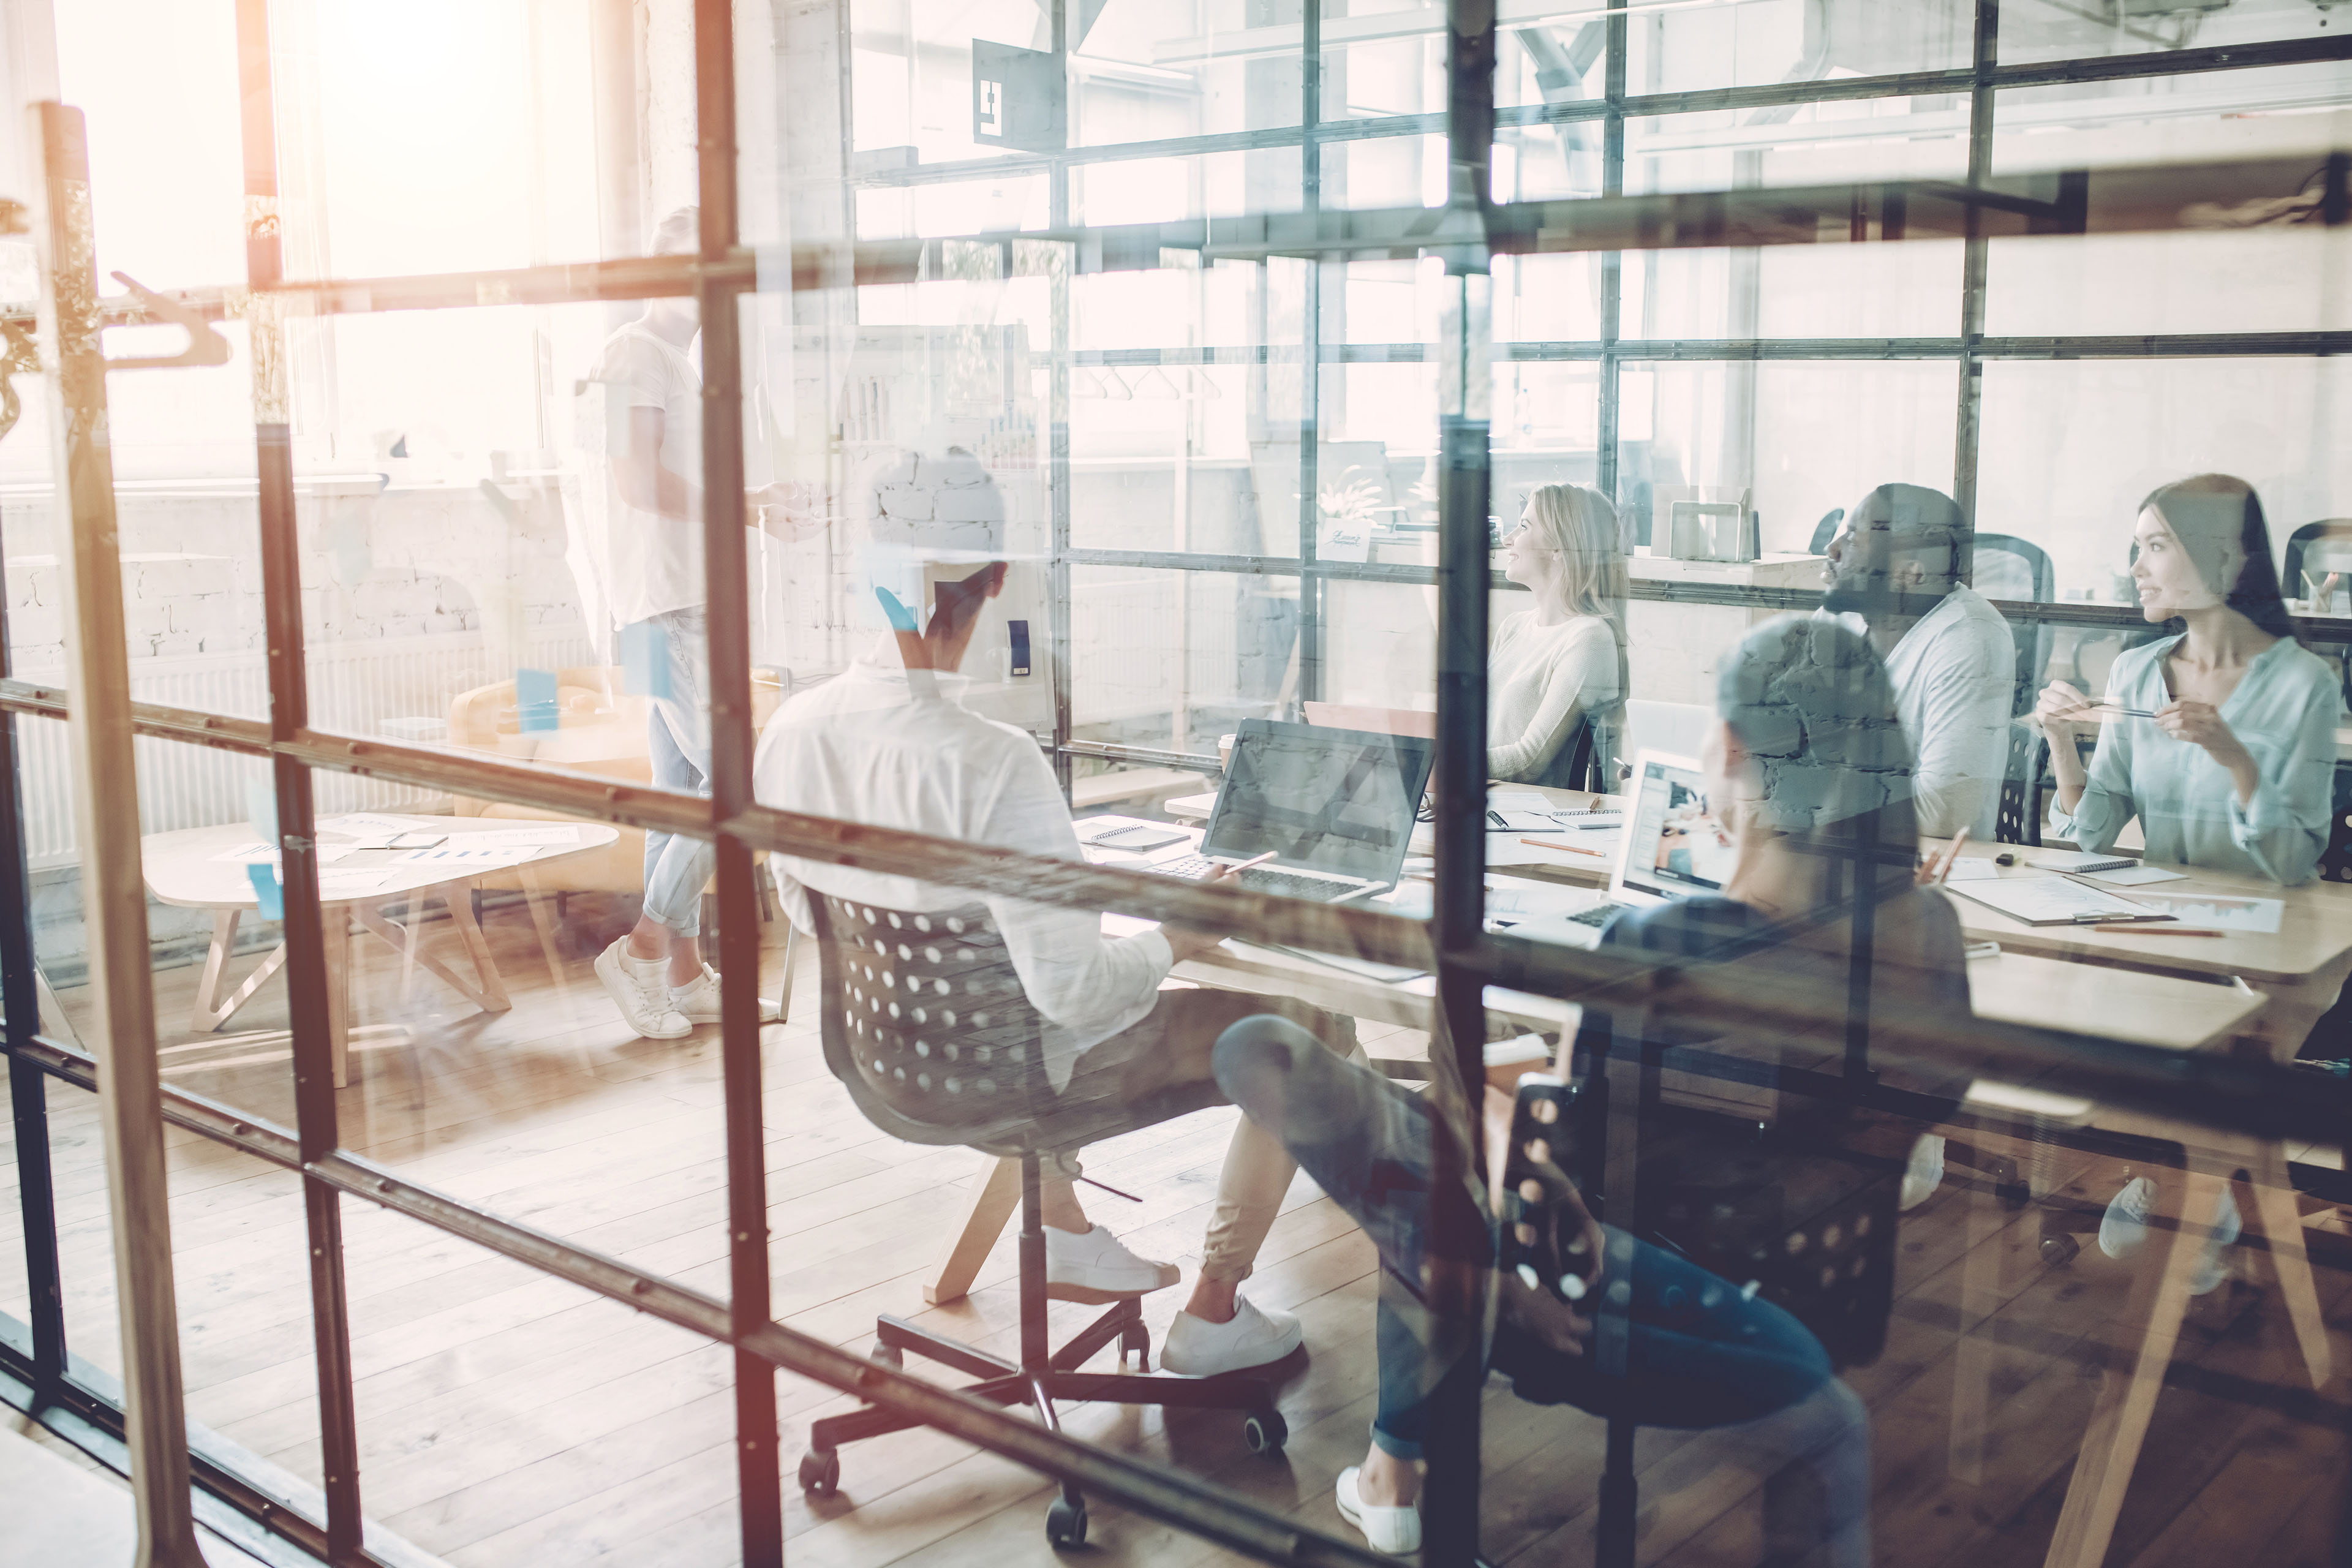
pixel 2301 969
pixel 182 869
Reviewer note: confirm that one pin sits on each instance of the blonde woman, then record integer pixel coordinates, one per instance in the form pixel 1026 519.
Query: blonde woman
pixel 1564 660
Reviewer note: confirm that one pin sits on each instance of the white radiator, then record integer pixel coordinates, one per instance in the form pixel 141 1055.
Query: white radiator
pixel 355 688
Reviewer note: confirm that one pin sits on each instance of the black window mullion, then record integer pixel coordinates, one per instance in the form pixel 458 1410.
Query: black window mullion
pixel 1975 257
pixel 28 1089
pixel 309 1001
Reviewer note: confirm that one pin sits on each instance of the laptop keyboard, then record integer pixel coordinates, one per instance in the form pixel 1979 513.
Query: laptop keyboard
pixel 1598 915
pixel 1260 879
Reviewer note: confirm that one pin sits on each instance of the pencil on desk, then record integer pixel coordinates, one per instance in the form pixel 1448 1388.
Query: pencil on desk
pixel 2145 928
pixel 1566 848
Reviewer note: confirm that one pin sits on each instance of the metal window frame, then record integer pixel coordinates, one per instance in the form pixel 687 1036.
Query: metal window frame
pixel 2208 1091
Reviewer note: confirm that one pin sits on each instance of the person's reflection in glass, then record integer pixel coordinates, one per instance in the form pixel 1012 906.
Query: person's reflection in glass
pixel 1808 778
pixel 1895 569
pixel 2220 738
pixel 1561 663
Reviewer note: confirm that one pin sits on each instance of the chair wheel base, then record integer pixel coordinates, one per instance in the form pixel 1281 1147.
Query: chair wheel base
pixel 821 1472
pixel 2057 1250
pixel 1265 1431
pixel 1065 1524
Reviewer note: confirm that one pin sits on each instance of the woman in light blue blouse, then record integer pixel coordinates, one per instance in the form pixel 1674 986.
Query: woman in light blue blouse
pixel 2235 769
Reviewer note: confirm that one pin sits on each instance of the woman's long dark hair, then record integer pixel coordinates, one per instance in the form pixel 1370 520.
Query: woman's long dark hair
pixel 2211 514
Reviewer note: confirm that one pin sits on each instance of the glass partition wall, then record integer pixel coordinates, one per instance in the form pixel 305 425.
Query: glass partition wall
pixel 1224 350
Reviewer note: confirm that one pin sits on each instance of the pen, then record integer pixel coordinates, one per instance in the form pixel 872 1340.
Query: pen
pixel 1247 865
pixel 1497 818
pixel 2137 927
pixel 1569 849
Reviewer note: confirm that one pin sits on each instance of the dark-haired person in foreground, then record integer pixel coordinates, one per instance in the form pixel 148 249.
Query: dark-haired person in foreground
pixel 2236 767
pixel 1809 771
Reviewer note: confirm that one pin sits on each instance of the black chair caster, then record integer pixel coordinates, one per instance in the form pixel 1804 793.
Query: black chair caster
pixel 1065 1524
pixel 887 1354
pixel 1265 1431
pixel 2060 1248
pixel 1136 1341
pixel 821 1472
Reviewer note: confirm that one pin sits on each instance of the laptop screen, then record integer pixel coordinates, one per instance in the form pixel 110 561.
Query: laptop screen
pixel 1337 801
pixel 1674 845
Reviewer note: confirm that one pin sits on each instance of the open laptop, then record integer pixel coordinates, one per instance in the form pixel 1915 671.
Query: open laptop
pixel 1672 847
pixel 1335 806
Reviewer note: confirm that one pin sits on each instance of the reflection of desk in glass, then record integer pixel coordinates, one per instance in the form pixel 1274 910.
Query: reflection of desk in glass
pixel 186 869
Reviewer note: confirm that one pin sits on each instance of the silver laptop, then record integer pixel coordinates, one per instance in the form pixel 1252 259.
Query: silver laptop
pixel 1672 847
pixel 1334 806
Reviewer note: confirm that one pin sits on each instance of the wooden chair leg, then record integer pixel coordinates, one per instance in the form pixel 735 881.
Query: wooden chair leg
pixel 2119 1425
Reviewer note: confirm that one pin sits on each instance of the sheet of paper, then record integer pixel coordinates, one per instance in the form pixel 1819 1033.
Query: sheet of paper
pixel 2260 916
pixel 1516 904
pixel 260 854
pixel 544 835
pixel 1973 868
pixel 1517 800
pixel 2136 876
pixel 459 860
pixel 356 881
pixel 378 825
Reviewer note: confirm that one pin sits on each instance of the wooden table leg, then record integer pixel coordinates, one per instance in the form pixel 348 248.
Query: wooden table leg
pixel 995 1194
pixel 2280 1219
pixel 335 928
pixel 459 896
pixel 211 1012
pixel 487 991
pixel 536 901
pixel 2159 1298
pixel 1972 1356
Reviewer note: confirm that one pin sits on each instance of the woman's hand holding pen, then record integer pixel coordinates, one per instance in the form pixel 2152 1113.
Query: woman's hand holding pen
pixel 2064 712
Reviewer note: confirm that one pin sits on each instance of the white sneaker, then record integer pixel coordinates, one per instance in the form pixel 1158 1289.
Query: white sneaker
pixel 1395 1531
pixel 1924 1174
pixel 1095 1268
pixel 697 1001
pixel 1199 1348
pixel 643 996
pixel 2123 1231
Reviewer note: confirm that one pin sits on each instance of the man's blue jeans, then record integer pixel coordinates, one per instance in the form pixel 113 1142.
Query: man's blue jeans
pixel 678 738
pixel 1672 1344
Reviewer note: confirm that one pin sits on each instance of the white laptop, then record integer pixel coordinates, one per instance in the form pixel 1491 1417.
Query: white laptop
pixel 1672 848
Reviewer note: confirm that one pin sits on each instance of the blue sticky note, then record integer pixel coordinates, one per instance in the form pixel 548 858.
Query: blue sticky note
pixel 644 660
pixel 901 617
pixel 535 699
pixel 267 892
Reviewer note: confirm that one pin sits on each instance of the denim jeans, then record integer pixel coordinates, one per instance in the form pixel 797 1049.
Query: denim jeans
pixel 678 739
pixel 1671 1345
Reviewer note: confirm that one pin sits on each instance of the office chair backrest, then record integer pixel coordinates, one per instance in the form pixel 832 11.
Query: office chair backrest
pixel 2015 569
pixel 2324 546
pixel 927 1024
pixel 1580 757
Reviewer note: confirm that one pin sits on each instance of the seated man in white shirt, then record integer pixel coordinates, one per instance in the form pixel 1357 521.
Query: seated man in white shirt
pixel 1894 572
pixel 888 744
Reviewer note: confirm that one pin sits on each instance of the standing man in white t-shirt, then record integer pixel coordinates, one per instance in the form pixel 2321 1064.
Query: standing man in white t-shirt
pixel 640 552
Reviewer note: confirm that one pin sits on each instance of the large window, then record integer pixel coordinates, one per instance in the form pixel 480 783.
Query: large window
pixel 1127 402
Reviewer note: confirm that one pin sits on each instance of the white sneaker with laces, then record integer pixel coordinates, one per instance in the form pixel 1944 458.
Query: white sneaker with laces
pixel 697 1001
pixel 1395 1531
pixel 1199 1348
pixel 1095 1268
pixel 638 986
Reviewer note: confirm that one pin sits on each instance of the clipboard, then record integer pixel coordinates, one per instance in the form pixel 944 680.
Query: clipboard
pixel 2056 902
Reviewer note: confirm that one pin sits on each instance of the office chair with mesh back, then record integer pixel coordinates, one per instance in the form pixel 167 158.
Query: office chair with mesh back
pixel 926 1023
pixel 2018 569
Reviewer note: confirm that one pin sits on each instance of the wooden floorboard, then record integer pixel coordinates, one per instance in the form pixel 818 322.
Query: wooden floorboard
pixel 510 1418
